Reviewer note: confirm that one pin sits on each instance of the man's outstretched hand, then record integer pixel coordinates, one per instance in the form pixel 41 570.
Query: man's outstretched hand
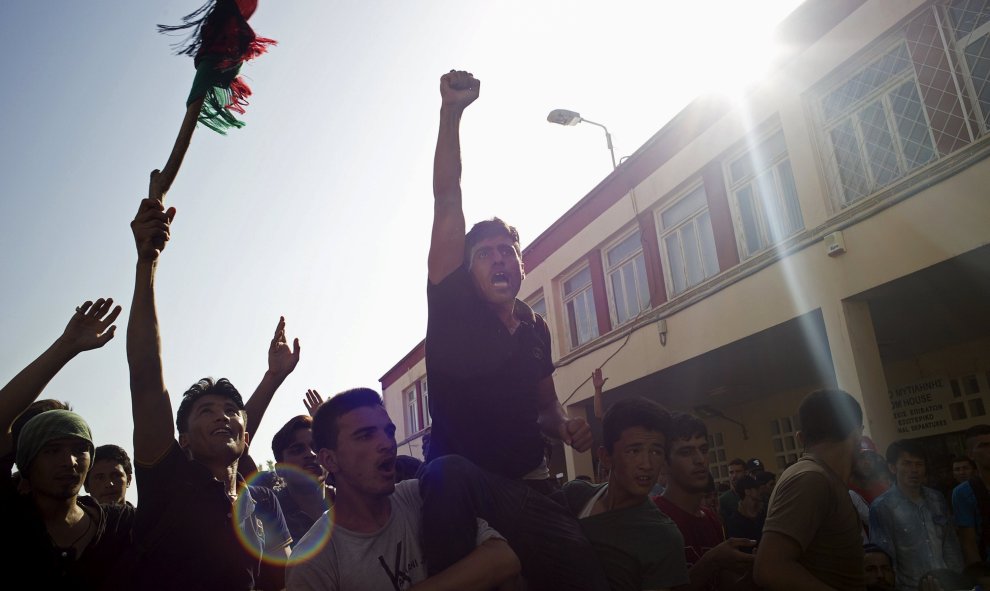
pixel 281 359
pixel 91 326
pixel 312 401
pixel 458 89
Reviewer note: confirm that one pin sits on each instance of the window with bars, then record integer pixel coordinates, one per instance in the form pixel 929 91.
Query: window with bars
pixel 718 462
pixel 921 96
pixel 784 439
pixel 688 241
pixel 876 125
pixel 764 195
pixel 579 304
pixel 967 397
pixel 970 23
pixel 625 268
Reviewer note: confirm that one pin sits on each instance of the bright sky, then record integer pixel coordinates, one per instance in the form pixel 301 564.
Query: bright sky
pixel 320 208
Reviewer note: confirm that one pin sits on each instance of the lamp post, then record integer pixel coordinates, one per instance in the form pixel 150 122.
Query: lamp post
pixel 569 118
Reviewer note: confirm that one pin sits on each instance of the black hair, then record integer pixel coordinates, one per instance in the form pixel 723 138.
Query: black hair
pixel 737 462
pixel 487 229
pixel 682 427
pixel 206 387
pixel 284 438
pixel 115 454
pixel 325 428
pixel 957 459
pixel 874 549
pixel 902 446
pixel 829 416
pixel 632 412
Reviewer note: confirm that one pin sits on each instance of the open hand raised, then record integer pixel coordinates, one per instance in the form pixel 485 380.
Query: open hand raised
pixel 282 360
pixel 91 326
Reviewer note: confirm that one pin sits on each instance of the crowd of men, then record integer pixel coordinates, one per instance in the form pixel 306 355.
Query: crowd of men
pixel 482 512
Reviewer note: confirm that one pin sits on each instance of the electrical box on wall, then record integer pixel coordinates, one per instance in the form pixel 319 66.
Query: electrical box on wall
pixel 834 244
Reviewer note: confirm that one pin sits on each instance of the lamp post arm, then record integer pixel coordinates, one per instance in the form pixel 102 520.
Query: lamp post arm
pixel 608 139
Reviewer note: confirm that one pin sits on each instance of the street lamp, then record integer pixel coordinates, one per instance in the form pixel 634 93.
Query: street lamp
pixel 565 117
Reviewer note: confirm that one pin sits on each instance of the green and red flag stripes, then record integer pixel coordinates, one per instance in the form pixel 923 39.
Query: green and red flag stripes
pixel 220 41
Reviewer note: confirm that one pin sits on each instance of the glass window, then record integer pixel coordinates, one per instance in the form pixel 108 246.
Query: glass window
pixel 766 201
pixel 412 411
pixel 425 393
pixel 540 307
pixel 876 125
pixel 626 270
pixel 688 241
pixel 579 305
pixel 970 20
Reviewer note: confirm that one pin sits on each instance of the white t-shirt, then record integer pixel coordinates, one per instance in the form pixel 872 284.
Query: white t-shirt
pixel 387 560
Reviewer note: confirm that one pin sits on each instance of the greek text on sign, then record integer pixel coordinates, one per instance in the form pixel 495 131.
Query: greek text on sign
pixel 921 408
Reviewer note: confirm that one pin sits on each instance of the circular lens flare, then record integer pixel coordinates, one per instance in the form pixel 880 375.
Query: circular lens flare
pixel 257 529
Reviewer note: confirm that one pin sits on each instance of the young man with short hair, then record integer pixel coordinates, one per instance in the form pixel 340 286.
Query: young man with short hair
pixel 971 500
pixel 63 540
pixel 639 547
pixel 878 569
pixel 110 476
pixel 728 500
pixel 712 561
pixel 488 359
pixel 811 539
pixel 371 541
pixel 963 469
pixel 305 496
pixel 747 520
pixel 911 522
pixel 198 524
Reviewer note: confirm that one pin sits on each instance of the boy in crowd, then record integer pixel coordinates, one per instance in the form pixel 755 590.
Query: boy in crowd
pixel 375 524
pixel 639 547
pixel 110 476
pixel 911 521
pixel 305 496
pixel 811 539
pixel 713 562
pixel 747 520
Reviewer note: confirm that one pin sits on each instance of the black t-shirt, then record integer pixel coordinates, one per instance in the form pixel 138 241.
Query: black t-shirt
pixel 189 535
pixel 483 380
pixel 30 550
pixel 740 526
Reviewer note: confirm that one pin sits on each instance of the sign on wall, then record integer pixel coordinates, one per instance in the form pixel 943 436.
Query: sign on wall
pixel 921 408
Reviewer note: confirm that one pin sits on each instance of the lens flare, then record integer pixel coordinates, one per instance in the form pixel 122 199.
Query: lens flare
pixel 256 527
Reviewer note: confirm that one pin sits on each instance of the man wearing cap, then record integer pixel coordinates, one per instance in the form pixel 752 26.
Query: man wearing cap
pixel 64 541
pixel 729 499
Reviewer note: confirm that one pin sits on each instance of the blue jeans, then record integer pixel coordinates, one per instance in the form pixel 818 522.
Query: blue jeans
pixel 552 550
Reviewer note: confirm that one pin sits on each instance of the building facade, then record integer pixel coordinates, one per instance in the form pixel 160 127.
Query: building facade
pixel 831 228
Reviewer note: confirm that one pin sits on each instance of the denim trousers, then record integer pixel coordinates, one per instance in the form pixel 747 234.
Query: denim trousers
pixel 553 552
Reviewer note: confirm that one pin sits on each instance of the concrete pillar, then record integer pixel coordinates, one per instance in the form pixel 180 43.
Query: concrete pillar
pixel 578 463
pixel 858 367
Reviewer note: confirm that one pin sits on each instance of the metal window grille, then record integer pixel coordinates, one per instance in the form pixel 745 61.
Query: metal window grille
pixel 412 410
pixel 921 94
pixel 784 440
pixel 718 461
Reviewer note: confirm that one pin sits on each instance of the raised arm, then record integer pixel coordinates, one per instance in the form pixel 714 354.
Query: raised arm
pixel 150 406
pixel 457 91
pixel 281 362
pixel 90 327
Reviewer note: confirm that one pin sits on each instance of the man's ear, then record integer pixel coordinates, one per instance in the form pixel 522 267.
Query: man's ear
pixel 328 459
pixel 247 438
pixel 800 439
pixel 183 440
